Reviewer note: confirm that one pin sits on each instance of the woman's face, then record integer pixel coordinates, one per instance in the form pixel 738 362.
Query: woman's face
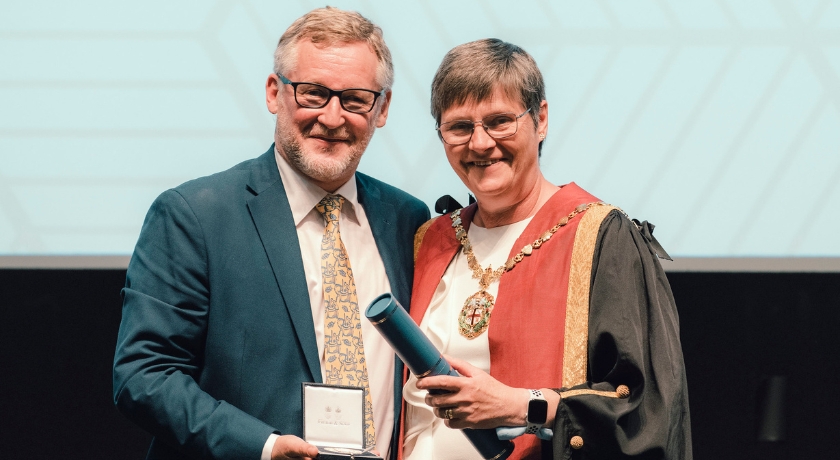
pixel 499 172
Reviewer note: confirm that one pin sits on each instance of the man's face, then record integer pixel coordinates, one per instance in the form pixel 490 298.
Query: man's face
pixel 326 144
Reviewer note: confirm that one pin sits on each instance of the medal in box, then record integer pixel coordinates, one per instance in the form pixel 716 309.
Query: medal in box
pixel 334 421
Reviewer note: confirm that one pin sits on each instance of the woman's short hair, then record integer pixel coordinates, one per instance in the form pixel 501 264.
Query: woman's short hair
pixel 330 25
pixel 472 71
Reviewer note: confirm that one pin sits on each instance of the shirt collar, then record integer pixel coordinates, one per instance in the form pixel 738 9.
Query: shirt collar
pixel 303 195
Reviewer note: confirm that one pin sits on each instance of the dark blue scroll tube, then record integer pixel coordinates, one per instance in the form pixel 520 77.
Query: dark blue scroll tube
pixel 423 359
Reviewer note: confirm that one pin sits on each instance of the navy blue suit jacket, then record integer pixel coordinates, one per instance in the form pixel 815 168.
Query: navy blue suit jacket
pixel 217 333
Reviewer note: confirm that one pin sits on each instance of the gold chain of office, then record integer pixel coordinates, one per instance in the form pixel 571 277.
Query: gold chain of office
pixel 474 318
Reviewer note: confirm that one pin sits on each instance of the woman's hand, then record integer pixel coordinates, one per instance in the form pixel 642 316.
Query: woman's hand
pixel 476 400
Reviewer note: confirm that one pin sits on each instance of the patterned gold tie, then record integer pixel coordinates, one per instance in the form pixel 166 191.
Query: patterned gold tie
pixel 344 351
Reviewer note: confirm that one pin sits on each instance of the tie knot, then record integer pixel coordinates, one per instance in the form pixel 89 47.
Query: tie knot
pixel 330 207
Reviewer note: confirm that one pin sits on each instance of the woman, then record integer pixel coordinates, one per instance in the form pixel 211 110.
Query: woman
pixel 550 304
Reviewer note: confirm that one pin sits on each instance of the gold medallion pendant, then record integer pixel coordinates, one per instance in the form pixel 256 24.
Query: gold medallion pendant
pixel 475 315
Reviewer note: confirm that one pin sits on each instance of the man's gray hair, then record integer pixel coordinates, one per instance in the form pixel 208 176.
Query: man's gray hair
pixel 472 71
pixel 328 26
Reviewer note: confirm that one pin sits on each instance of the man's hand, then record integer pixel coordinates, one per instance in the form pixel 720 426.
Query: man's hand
pixel 288 446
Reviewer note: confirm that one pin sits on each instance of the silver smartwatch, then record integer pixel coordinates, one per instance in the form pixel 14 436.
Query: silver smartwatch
pixel 537 412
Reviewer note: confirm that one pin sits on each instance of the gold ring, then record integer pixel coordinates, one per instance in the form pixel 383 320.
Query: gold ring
pixel 448 415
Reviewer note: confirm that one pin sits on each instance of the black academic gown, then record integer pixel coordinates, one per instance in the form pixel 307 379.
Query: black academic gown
pixel 634 341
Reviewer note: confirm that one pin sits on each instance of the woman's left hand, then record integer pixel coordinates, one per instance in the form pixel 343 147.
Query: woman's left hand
pixel 475 399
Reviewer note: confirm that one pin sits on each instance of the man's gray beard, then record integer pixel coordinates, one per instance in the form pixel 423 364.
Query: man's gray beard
pixel 319 168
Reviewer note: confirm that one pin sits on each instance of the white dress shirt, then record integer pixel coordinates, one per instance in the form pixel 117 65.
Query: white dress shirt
pixel 368 274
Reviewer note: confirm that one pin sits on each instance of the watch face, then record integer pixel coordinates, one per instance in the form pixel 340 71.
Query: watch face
pixel 537 411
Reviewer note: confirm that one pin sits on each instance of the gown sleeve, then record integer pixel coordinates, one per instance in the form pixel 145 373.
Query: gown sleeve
pixel 633 341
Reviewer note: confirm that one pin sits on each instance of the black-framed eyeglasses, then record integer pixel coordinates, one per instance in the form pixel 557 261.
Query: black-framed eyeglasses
pixel 497 126
pixel 315 96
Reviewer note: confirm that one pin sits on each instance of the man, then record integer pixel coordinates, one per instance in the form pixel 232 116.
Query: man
pixel 226 308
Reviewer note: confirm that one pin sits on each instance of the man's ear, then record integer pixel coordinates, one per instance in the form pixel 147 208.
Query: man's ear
pixel 272 90
pixel 383 112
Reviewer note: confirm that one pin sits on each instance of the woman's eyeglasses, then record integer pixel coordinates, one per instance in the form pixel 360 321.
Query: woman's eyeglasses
pixel 497 126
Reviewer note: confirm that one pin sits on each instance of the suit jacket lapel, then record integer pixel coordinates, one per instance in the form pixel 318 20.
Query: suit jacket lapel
pixel 379 215
pixel 273 218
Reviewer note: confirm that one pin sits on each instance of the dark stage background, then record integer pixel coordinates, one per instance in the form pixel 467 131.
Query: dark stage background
pixel 761 353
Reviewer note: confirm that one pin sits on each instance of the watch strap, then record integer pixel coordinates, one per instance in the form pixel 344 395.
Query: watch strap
pixel 532 428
